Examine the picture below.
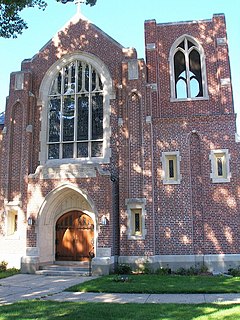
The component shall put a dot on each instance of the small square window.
(220, 166)
(171, 167)
(136, 218)
(12, 223)
(136, 215)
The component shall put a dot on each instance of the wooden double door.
(74, 237)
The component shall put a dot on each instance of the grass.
(8, 273)
(161, 284)
(51, 310)
(44, 310)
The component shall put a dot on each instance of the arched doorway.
(74, 236)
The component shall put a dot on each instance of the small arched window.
(188, 76)
(75, 113)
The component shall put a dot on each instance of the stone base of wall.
(103, 265)
(29, 264)
(106, 265)
(215, 262)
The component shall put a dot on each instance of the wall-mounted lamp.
(103, 220)
(31, 221)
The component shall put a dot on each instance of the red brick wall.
(193, 217)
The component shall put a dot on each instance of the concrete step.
(72, 269)
(63, 273)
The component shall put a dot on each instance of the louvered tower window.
(188, 70)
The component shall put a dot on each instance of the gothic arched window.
(75, 113)
(188, 75)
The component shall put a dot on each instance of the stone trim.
(136, 203)
(164, 158)
(214, 262)
(203, 69)
(213, 176)
(108, 94)
(150, 46)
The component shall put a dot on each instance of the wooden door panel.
(74, 236)
(84, 243)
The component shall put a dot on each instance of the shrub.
(192, 271)
(235, 272)
(203, 269)
(3, 266)
(123, 269)
(163, 271)
(146, 269)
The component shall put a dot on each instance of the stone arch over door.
(58, 202)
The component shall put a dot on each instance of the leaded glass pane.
(82, 150)
(86, 78)
(54, 119)
(66, 72)
(97, 116)
(137, 222)
(56, 86)
(97, 149)
(68, 150)
(100, 84)
(70, 79)
(76, 121)
(80, 70)
(82, 120)
(73, 73)
(171, 169)
(220, 167)
(53, 151)
(93, 80)
(68, 118)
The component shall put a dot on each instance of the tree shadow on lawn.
(44, 310)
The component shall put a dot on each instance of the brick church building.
(121, 159)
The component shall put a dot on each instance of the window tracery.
(187, 70)
(75, 113)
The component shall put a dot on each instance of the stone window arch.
(75, 97)
(187, 70)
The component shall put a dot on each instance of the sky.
(123, 20)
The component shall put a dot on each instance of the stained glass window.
(171, 168)
(75, 113)
(136, 222)
(220, 167)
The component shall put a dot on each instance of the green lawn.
(162, 284)
(8, 273)
(43, 310)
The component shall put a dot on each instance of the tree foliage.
(11, 23)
